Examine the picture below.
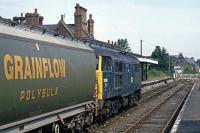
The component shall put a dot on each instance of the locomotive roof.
(116, 55)
(26, 32)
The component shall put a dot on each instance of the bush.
(157, 74)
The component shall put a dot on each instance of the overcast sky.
(174, 24)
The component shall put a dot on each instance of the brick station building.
(81, 28)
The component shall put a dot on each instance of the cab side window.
(130, 74)
(106, 64)
(137, 68)
(118, 75)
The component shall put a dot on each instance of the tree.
(198, 62)
(189, 69)
(123, 44)
(163, 58)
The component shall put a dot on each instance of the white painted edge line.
(179, 118)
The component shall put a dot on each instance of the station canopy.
(147, 60)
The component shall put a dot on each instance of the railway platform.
(188, 120)
(152, 84)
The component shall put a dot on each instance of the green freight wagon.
(43, 78)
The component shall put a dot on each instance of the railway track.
(159, 119)
(157, 91)
(127, 121)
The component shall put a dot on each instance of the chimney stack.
(19, 19)
(80, 20)
(41, 20)
(77, 21)
(35, 11)
(91, 26)
(33, 19)
(108, 41)
(62, 17)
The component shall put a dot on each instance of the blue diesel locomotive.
(118, 80)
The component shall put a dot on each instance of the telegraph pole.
(169, 64)
(141, 47)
